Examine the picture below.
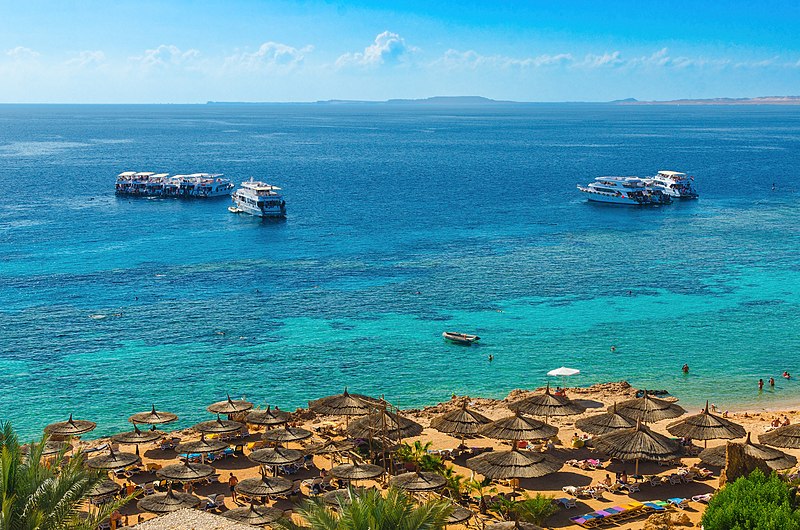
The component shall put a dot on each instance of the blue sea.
(403, 221)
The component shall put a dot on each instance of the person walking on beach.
(232, 482)
(760, 385)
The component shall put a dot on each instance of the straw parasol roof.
(384, 423)
(418, 481)
(547, 405)
(341, 496)
(201, 446)
(775, 459)
(185, 472)
(639, 443)
(268, 416)
(649, 409)
(357, 471)
(288, 434)
(70, 427)
(344, 404)
(254, 515)
(459, 514)
(136, 436)
(605, 423)
(462, 422)
(106, 487)
(153, 417)
(218, 426)
(229, 406)
(497, 465)
(513, 525)
(331, 447)
(706, 426)
(275, 456)
(51, 447)
(518, 427)
(113, 460)
(263, 486)
(787, 437)
(171, 501)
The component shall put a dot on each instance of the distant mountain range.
(478, 101)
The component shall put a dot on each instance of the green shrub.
(755, 502)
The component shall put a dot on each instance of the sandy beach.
(595, 398)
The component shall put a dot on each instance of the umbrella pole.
(636, 471)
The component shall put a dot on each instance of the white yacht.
(623, 190)
(259, 199)
(675, 184)
(148, 184)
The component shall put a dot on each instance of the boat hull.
(459, 338)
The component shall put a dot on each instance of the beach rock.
(682, 520)
(658, 521)
(738, 464)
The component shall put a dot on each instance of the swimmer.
(685, 368)
(786, 375)
(772, 382)
(613, 348)
(491, 357)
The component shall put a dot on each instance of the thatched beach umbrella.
(497, 465)
(275, 456)
(70, 427)
(344, 404)
(605, 423)
(268, 417)
(331, 447)
(229, 406)
(113, 460)
(51, 447)
(461, 422)
(342, 496)
(512, 525)
(288, 434)
(153, 417)
(458, 515)
(106, 487)
(357, 471)
(775, 459)
(168, 502)
(201, 446)
(547, 405)
(264, 486)
(649, 409)
(218, 426)
(254, 515)
(185, 472)
(383, 423)
(706, 426)
(518, 427)
(787, 437)
(136, 437)
(418, 481)
(639, 443)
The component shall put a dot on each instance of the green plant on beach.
(455, 485)
(530, 509)
(418, 458)
(39, 495)
(370, 510)
(753, 502)
(481, 487)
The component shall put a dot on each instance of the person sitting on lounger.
(623, 477)
(607, 480)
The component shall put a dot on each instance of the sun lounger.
(631, 488)
(702, 498)
(654, 507)
(679, 502)
(656, 480)
(567, 502)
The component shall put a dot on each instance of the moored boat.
(674, 183)
(460, 338)
(196, 185)
(259, 199)
(624, 190)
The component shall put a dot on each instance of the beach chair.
(567, 502)
(631, 488)
(704, 498)
(152, 466)
(214, 502)
(679, 503)
(149, 488)
(589, 520)
(655, 480)
(314, 485)
(105, 525)
(675, 479)
(688, 477)
(595, 493)
(652, 506)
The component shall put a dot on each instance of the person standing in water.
(760, 385)
(685, 368)
(772, 382)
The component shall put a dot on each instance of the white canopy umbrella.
(563, 372)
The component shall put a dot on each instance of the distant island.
(479, 101)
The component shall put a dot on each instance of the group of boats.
(253, 197)
(659, 189)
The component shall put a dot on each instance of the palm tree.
(455, 483)
(372, 511)
(39, 495)
(481, 487)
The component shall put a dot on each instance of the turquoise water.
(403, 223)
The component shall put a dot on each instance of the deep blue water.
(475, 209)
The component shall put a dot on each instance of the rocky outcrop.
(666, 521)
(739, 464)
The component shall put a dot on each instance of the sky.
(183, 51)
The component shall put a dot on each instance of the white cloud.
(453, 59)
(87, 58)
(167, 55)
(599, 61)
(387, 48)
(21, 53)
(269, 55)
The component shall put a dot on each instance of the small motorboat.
(234, 209)
(460, 338)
